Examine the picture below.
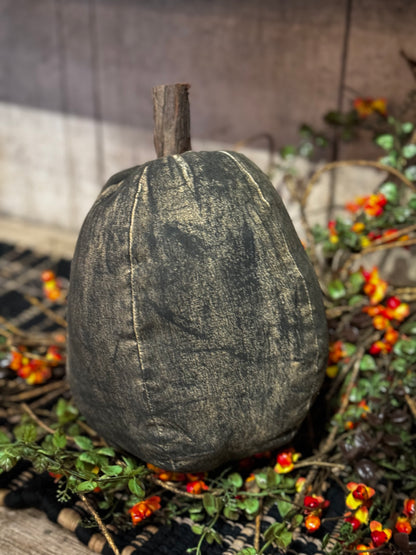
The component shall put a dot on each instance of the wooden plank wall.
(76, 79)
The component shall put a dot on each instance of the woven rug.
(22, 487)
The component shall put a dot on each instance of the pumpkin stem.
(171, 113)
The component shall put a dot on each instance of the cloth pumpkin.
(196, 327)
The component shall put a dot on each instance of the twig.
(257, 531)
(341, 376)
(86, 428)
(406, 293)
(340, 164)
(47, 311)
(320, 463)
(11, 327)
(383, 246)
(38, 391)
(48, 397)
(38, 421)
(373, 248)
(170, 487)
(411, 404)
(395, 235)
(100, 523)
(329, 442)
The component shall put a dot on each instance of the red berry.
(393, 302)
(378, 537)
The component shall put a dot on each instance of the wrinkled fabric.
(197, 332)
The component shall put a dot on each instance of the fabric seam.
(134, 317)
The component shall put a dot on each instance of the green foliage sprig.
(368, 446)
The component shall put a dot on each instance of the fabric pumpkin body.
(197, 332)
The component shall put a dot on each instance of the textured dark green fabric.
(197, 332)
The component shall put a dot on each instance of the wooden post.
(172, 131)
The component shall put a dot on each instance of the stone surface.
(197, 332)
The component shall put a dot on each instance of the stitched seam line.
(311, 310)
(134, 317)
(249, 177)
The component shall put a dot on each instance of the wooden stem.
(172, 119)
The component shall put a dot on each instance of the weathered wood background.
(76, 79)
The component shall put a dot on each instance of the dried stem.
(411, 404)
(330, 440)
(11, 327)
(47, 311)
(100, 523)
(38, 391)
(170, 487)
(323, 464)
(257, 531)
(341, 164)
(36, 419)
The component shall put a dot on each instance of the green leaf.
(400, 365)
(336, 289)
(368, 363)
(251, 505)
(247, 551)
(136, 487)
(195, 508)
(27, 433)
(389, 190)
(306, 149)
(321, 141)
(7, 460)
(111, 469)
(297, 520)
(235, 480)
(273, 478)
(349, 348)
(284, 507)
(305, 131)
(274, 531)
(231, 514)
(211, 504)
(389, 160)
(90, 458)
(386, 141)
(408, 151)
(109, 451)
(88, 485)
(401, 214)
(412, 202)
(355, 282)
(407, 127)
(212, 535)
(261, 479)
(355, 300)
(40, 464)
(409, 328)
(4, 438)
(66, 412)
(284, 539)
(334, 118)
(84, 443)
(325, 540)
(197, 517)
(59, 439)
(197, 529)
(130, 463)
(287, 151)
(410, 173)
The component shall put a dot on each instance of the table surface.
(28, 531)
